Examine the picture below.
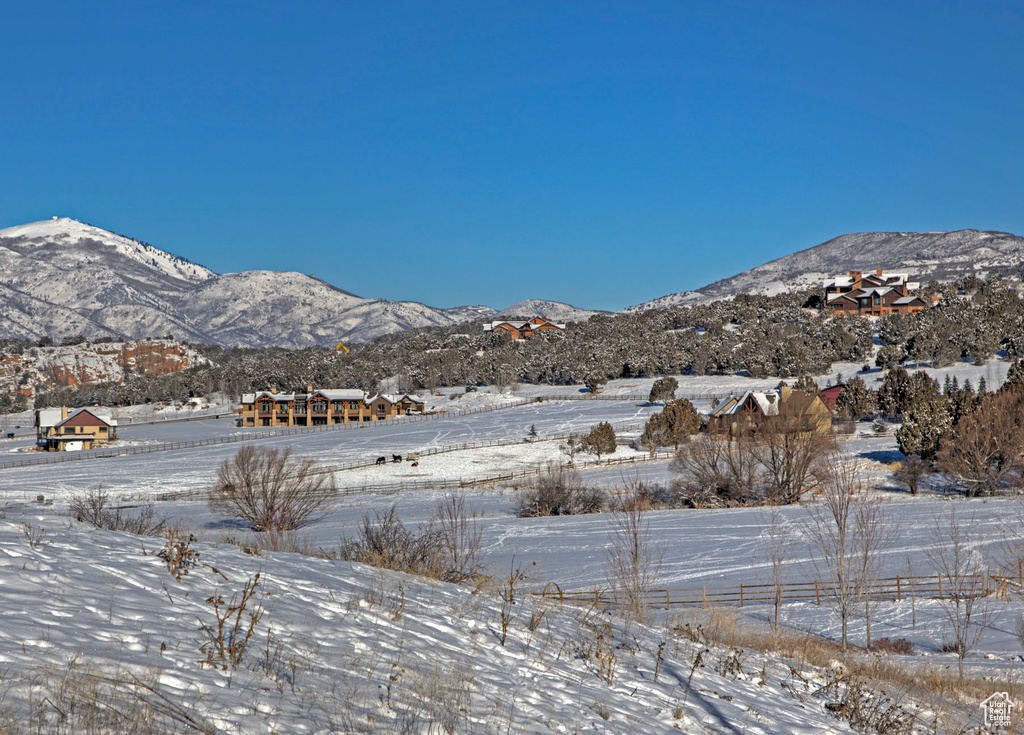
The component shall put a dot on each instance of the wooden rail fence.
(59, 457)
(888, 588)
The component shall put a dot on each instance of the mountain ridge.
(63, 278)
(925, 256)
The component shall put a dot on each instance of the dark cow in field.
(396, 457)
(10, 434)
(382, 460)
(415, 464)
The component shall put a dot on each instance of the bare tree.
(873, 532)
(632, 565)
(984, 449)
(911, 471)
(459, 538)
(830, 530)
(572, 446)
(716, 470)
(779, 543)
(271, 489)
(790, 455)
(957, 559)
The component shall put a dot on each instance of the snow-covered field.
(347, 648)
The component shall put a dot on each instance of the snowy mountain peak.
(69, 240)
(926, 256)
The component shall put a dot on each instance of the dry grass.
(924, 683)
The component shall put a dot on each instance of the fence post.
(741, 594)
(817, 594)
(704, 595)
(939, 577)
(899, 591)
(668, 599)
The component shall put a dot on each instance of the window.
(300, 407)
(319, 406)
(266, 406)
(353, 405)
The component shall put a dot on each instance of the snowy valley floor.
(92, 615)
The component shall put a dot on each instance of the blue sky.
(601, 154)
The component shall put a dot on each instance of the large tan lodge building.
(323, 407)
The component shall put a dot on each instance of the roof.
(86, 417)
(519, 324)
(341, 394)
(394, 398)
(283, 397)
(907, 300)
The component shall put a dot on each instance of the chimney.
(855, 275)
(878, 272)
(309, 390)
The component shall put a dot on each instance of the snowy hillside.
(554, 310)
(62, 277)
(925, 256)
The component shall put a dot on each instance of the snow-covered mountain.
(61, 277)
(553, 310)
(926, 256)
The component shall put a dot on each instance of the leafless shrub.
(510, 594)
(234, 624)
(271, 489)
(870, 711)
(558, 492)
(385, 542)
(900, 646)
(94, 507)
(714, 471)
(911, 471)
(458, 537)
(178, 551)
(35, 536)
(632, 564)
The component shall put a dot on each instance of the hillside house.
(57, 430)
(323, 407)
(874, 294)
(739, 416)
(522, 330)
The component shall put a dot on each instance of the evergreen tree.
(600, 440)
(672, 426)
(595, 381)
(894, 395)
(856, 401)
(925, 423)
(806, 384)
(664, 389)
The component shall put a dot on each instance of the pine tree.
(925, 422)
(672, 426)
(600, 440)
(856, 401)
(664, 389)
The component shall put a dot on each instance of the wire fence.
(888, 588)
